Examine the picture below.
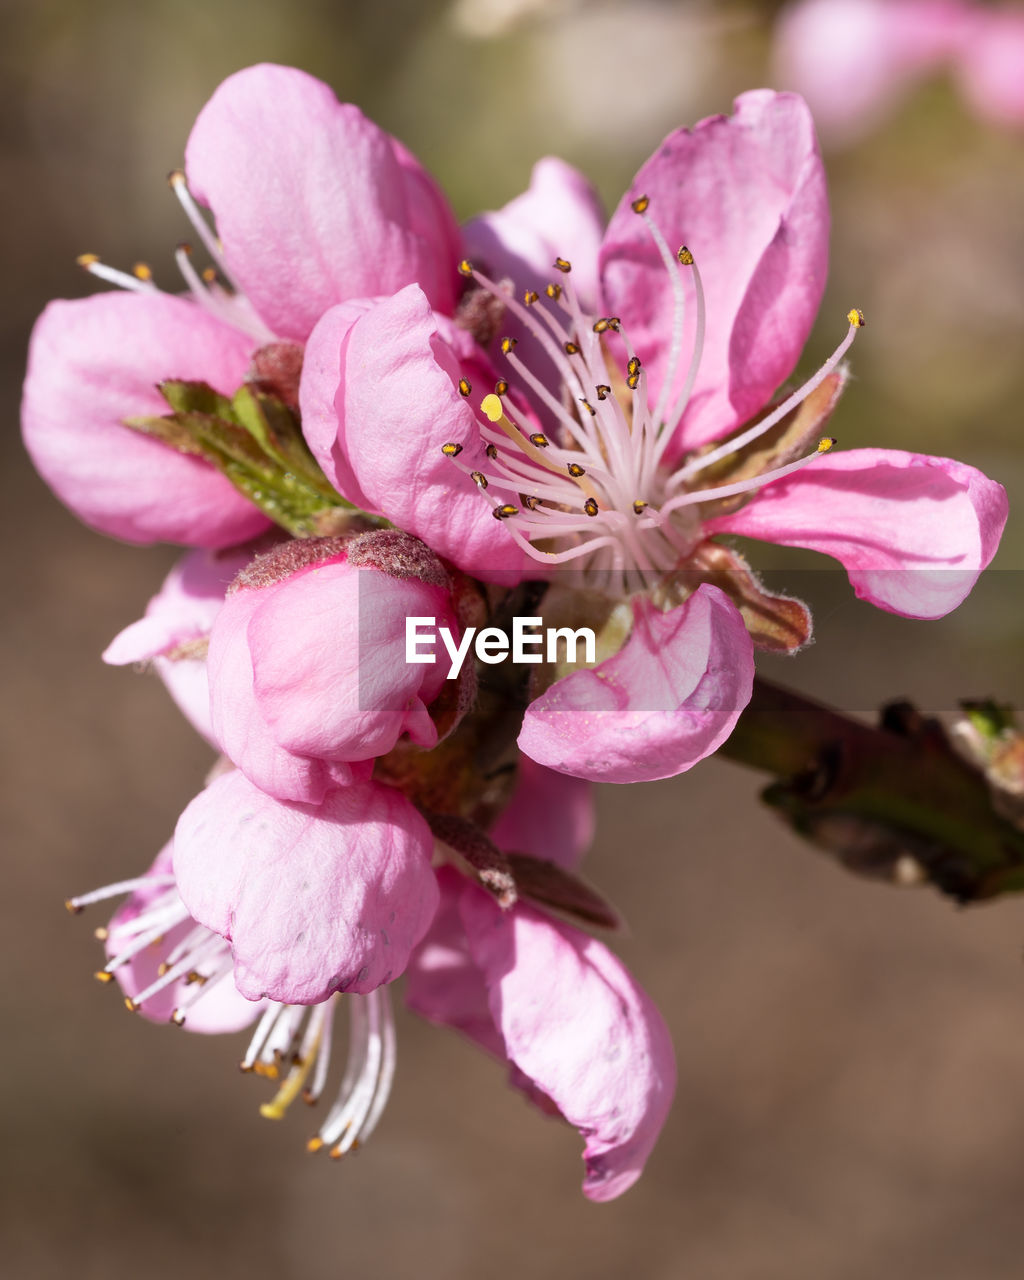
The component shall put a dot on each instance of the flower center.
(601, 492)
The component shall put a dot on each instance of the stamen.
(135, 284)
(745, 486)
(179, 186)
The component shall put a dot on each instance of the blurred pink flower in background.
(855, 60)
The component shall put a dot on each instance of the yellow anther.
(540, 440)
(529, 501)
(856, 318)
(209, 275)
(563, 265)
(826, 443)
(452, 449)
(178, 1018)
(101, 934)
(641, 205)
(130, 1005)
(176, 177)
(603, 391)
(505, 511)
(479, 477)
(501, 388)
(685, 256)
(465, 267)
(73, 907)
(590, 507)
(162, 968)
(639, 506)
(508, 344)
(634, 365)
(530, 297)
(633, 381)
(87, 260)
(575, 470)
(142, 271)
(464, 387)
(553, 291)
(588, 406)
(492, 407)
(571, 349)
(314, 1145)
(101, 975)
(491, 450)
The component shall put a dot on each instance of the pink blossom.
(313, 898)
(581, 1037)
(705, 336)
(307, 665)
(350, 213)
(855, 60)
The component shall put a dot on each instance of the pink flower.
(617, 490)
(313, 898)
(348, 214)
(855, 60)
(581, 1037)
(309, 681)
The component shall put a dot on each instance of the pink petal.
(854, 60)
(379, 398)
(327, 649)
(912, 531)
(550, 815)
(313, 899)
(94, 362)
(581, 1030)
(558, 216)
(221, 1010)
(442, 983)
(314, 203)
(747, 195)
(669, 698)
(239, 726)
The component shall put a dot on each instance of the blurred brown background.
(851, 1094)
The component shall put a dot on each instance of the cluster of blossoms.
(361, 414)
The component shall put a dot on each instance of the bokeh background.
(851, 1090)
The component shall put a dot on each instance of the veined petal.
(94, 362)
(314, 899)
(912, 531)
(746, 194)
(379, 398)
(314, 203)
(581, 1030)
(667, 699)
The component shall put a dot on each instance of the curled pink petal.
(314, 899)
(746, 194)
(96, 361)
(669, 698)
(912, 531)
(314, 203)
(581, 1030)
(379, 398)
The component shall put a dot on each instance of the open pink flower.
(648, 466)
(309, 681)
(313, 898)
(348, 214)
